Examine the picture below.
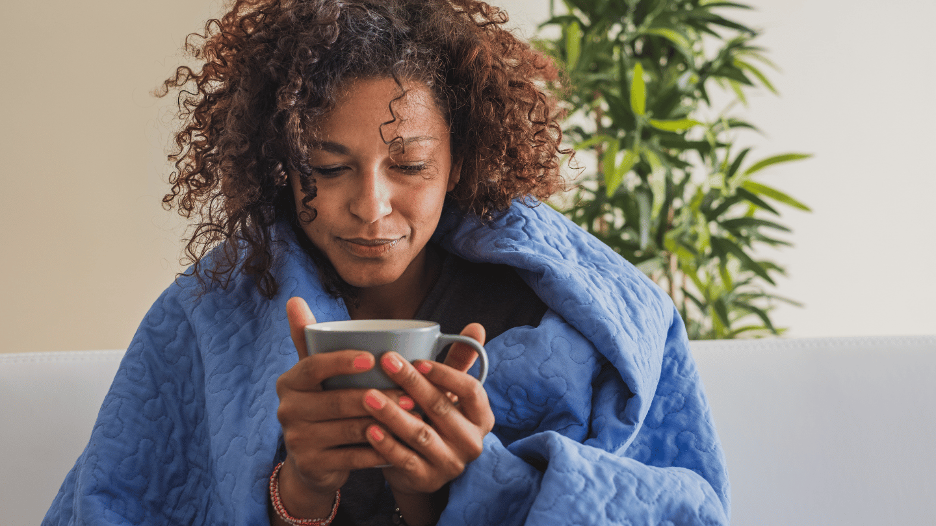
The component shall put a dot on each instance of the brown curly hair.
(272, 69)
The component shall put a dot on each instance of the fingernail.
(376, 433)
(373, 401)
(407, 403)
(362, 362)
(392, 363)
(424, 367)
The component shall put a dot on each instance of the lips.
(369, 247)
(373, 242)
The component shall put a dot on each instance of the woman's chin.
(368, 280)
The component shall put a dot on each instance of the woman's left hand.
(425, 454)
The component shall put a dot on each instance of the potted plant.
(669, 189)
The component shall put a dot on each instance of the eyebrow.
(338, 148)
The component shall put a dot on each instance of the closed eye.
(411, 168)
(329, 171)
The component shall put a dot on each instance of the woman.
(384, 159)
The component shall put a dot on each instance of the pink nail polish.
(373, 401)
(392, 363)
(362, 362)
(376, 433)
(407, 403)
(424, 367)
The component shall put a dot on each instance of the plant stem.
(602, 227)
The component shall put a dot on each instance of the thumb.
(299, 315)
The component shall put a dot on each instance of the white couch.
(816, 431)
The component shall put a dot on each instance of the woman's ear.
(454, 175)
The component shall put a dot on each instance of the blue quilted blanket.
(601, 418)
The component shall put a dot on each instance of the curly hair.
(272, 69)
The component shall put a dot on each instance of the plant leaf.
(756, 201)
(674, 125)
(736, 164)
(776, 159)
(760, 313)
(698, 303)
(757, 73)
(725, 245)
(681, 41)
(638, 91)
(615, 177)
(773, 193)
(715, 3)
(607, 161)
(573, 43)
(644, 205)
(722, 312)
(592, 141)
(753, 222)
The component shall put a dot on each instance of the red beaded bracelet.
(281, 510)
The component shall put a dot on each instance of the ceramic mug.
(411, 339)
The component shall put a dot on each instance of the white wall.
(87, 248)
(855, 90)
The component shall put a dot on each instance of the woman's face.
(377, 206)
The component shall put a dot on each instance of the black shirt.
(489, 294)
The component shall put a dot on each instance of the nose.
(373, 196)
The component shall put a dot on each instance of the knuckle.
(291, 436)
(453, 468)
(423, 436)
(335, 405)
(476, 390)
(408, 376)
(354, 432)
(410, 463)
(473, 450)
(487, 423)
(285, 412)
(440, 406)
(303, 368)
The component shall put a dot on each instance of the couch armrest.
(49, 402)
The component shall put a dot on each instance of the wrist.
(292, 503)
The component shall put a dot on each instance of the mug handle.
(445, 339)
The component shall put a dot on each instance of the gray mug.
(412, 339)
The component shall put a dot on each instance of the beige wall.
(86, 247)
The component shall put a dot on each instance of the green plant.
(670, 189)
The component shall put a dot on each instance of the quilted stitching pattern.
(600, 415)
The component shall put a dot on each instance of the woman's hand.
(425, 454)
(324, 431)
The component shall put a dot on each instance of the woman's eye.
(411, 168)
(328, 171)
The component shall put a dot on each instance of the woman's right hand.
(324, 431)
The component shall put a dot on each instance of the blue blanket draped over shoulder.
(601, 417)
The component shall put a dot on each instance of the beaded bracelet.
(281, 510)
